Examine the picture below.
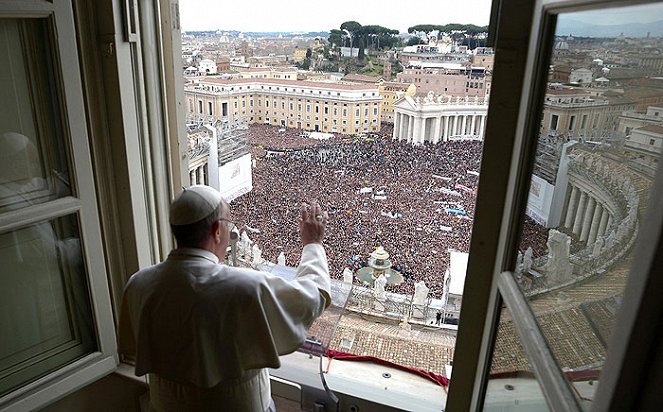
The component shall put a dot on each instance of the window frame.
(82, 203)
(619, 388)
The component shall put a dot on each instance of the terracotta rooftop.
(354, 77)
(293, 83)
(267, 69)
(566, 92)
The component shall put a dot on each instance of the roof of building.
(296, 83)
(267, 69)
(362, 78)
(651, 129)
(566, 91)
(397, 85)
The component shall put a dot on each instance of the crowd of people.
(415, 201)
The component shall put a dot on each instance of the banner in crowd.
(449, 192)
(464, 188)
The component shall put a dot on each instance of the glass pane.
(33, 156)
(598, 149)
(511, 384)
(45, 316)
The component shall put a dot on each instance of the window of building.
(209, 108)
(200, 106)
(553, 122)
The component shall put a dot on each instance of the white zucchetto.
(193, 204)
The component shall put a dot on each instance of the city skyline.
(201, 15)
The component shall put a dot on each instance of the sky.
(647, 13)
(317, 15)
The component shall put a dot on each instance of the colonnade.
(421, 128)
(586, 216)
(198, 175)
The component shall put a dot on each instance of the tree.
(352, 30)
(336, 37)
(415, 40)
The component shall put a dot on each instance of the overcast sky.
(316, 15)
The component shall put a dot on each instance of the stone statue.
(420, 293)
(457, 99)
(378, 288)
(245, 243)
(347, 275)
(558, 267)
(281, 259)
(519, 263)
(528, 260)
(429, 97)
(449, 99)
(598, 246)
(405, 323)
(256, 255)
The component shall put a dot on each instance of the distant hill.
(581, 29)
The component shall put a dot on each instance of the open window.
(563, 316)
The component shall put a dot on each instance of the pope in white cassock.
(206, 332)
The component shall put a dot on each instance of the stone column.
(397, 124)
(192, 177)
(410, 129)
(453, 126)
(482, 120)
(587, 219)
(404, 126)
(201, 175)
(436, 132)
(577, 221)
(604, 222)
(596, 220)
(447, 124)
(571, 207)
(416, 135)
(609, 225)
(422, 135)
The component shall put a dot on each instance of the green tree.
(415, 40)
(336, 37)
(352, 29)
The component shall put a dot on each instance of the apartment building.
(314, 106)
(390, 93)
(449, 79)
(575, 110)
